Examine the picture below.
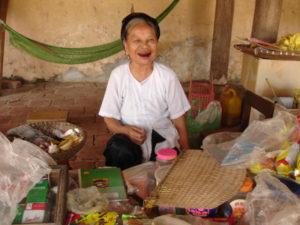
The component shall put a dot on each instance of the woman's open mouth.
(144, 55)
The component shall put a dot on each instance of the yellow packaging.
(105, 218)
(268, 164)
(297, 170)
(286, 161)
(231, 107)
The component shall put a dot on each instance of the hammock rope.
(63, 55)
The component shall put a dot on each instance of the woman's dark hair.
(127, 23)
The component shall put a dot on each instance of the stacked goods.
(58, 140)
(290, 42)
(287, 162)
(36, 207)
(61, 140)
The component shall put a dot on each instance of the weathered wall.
(185, 43)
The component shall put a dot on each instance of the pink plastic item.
(166, 154)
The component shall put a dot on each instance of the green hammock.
(70, 55)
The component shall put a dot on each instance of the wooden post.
(3, 12)
(221, 38)
(266, 20)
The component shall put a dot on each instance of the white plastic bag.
(271, 203)
(212, 113)
(20, 170)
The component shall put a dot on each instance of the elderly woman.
(144, 103)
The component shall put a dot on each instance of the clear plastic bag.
(208, 119)
(22, 166)
(211, 115)
(219, 144)
(140, 179)
(271, 203)
(260, 137)
(86, 200)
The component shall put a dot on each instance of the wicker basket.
(48, 126)
(201, 91)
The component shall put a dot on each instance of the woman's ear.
(125, 47)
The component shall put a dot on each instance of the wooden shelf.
(267, 53)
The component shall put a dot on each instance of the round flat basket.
(48, 127)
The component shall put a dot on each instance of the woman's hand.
(136, 135)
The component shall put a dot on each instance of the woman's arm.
(136, 135)
(180, 125)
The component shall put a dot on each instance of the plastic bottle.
(231, 107)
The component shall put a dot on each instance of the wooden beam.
(3, 13)
(266, 20)
(221, 38)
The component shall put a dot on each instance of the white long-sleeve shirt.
(150, 104)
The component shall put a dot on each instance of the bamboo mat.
(196, 180)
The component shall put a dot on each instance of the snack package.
(297, 170)
(202, 212)
(267, 164)
(103, 218)
(135, 220)
(286, 161)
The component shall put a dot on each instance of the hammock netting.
(62, 55)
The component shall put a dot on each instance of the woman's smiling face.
(141, 44)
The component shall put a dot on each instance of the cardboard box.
(108, 180)
(19, 216)
(61, 116)
(58, 177)
(34, 213)
(36, 200)
(38, 194)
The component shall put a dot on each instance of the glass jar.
(165, 157)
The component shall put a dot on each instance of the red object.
(202, 91)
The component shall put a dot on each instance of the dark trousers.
(123, 153)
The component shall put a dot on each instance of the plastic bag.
(208, 119)
(260, 137)
(86, 200)
(140, 179)
(219, 144)
(271, 203)
(20, 170)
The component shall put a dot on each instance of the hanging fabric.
(62, 55)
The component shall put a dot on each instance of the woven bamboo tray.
(48, 126)
(196, 180)
(268, 53)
